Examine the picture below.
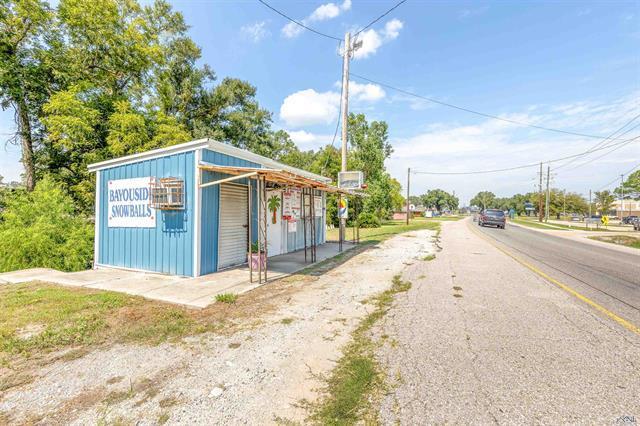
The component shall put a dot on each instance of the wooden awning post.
(250, 236)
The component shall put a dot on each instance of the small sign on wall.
(291, 204)
(128, 203)
(292, 226)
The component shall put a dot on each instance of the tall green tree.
(26, 73)
(483, 199)
(440, 200)
(604, 201)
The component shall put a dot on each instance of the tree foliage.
(439, 200)
(483, 200)
(41, 229)
(604, 201)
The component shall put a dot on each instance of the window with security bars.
(167, 193)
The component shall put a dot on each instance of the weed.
(457, 295)
(421, 276)
(286, 321)
(229, 298)
(457, 288)
(357, 378)
(163, 418)
(234, 345)
(168, 402)
(429, 257)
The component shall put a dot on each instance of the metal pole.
(259, 200)
(408, 181)
(304, 221)
(345, 115)
(540, 196)
(264, 212)
(250, 226)
(586, 222)
(621, 196)
(546, 209)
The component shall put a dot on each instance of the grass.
(533, 223)
(357, 378)
(286, 321)
(38, 317)
(623, 240)
(387, 230)
(229, 298)
(429, 257)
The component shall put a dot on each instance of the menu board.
(291, 204)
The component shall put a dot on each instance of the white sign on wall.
(317, 205)
(291, 204)
(128, 204)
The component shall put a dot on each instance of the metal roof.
(281, 176)
(211, 145)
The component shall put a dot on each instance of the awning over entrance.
(280, 176)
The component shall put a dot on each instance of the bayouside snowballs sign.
(128, 204)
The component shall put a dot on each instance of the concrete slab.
(33, 274)
(197, 292)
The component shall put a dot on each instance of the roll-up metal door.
(232, 231)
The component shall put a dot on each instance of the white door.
(274, 230)
(232, 226)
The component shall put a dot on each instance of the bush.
(369, 220)
(41, 229)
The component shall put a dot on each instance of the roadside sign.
(350, 180)
(343, 212)
(604, 220)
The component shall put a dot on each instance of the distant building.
(623, 208)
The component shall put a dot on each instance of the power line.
(525, 166)
(617, 177)
(603, 155)
(606, 139)
(298, 22)
(379, 17)
(495, 117)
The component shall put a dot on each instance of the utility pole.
(621, 196)
(408, 180)
(346, 56)
(540, 196)
(589, 204)
(564, 203)
(546, 208)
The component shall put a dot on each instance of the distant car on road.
(629, 219)
(493, 217)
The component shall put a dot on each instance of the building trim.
(197, 214)
(149, 155)
(212, 145)
(96, 220)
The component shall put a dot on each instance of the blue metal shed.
(195, 236)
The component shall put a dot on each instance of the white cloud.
(291, 30)
(372, 39)
(392, 28)
(365, 92)
(308, 107)
(321, 13)
(492, 144)
(307, 140)
(255, 32)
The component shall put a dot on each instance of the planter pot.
(258, 260)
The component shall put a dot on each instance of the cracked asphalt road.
(481, 339)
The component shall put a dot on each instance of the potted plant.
(258, 256)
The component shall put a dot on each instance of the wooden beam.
(229, 179)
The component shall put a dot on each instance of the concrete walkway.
(197, 292)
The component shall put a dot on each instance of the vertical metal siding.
(210, 208)
(168, 247)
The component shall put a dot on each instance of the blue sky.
(571, 65)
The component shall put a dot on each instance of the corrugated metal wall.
(210, 208)
(295, 240)
(168, 247)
